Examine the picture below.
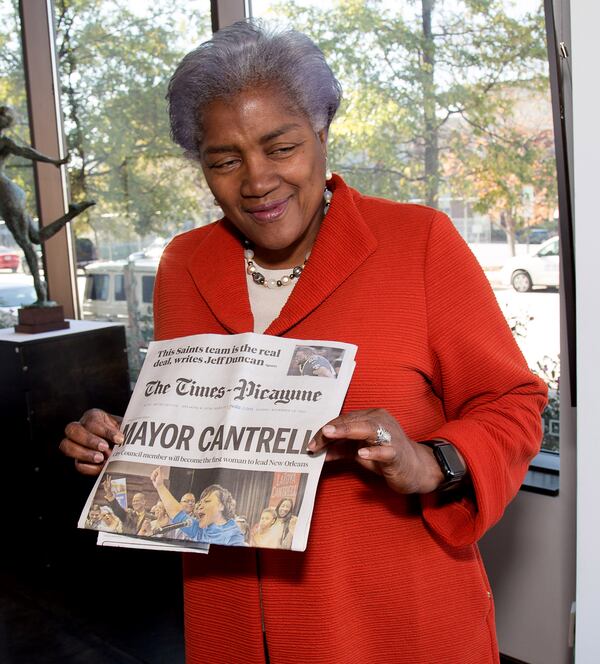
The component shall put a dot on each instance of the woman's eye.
(286, 149)
(224, 165)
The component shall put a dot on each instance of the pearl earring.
(327, 196)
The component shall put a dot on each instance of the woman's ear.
(322, 135)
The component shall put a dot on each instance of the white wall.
(585, 23)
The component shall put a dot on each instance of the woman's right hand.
(91, 440)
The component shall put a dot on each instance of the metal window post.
(226, 12)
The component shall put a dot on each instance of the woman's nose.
(260, 177)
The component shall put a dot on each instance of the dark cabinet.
(46, 381)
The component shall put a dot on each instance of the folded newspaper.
(215, 451)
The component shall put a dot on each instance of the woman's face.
(209, 509)
(108, 519)
(265, 165)
(284, 509)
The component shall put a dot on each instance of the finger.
(80, 435)
(326, 434)
(103, 425)
(88, 469)
(81, 452)
(382, 454)
(361, 429)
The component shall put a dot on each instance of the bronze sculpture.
(12, 205)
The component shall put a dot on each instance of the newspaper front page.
(215, 449)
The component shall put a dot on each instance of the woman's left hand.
(407, 466)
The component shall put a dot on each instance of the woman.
(286, 522)
(110, 522)
(264, 534)
(161, 519)
(214, 518)
(442, 415)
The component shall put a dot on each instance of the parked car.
(541, 268)
(534, 235)
(9, 259)
(105, 297)
(16, 290)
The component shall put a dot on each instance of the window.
(147, 289)
(440, 108)
(550, 249)
(96, 287)
(114, 62)
(120, 294)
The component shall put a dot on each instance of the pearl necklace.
(260, 278)
(286, 280)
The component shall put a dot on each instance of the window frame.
(47, 132)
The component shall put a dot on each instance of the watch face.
(450, 462)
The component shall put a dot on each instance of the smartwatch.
(451, 465)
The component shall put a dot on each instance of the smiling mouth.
(269, 211)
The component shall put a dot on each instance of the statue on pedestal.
(12, 206)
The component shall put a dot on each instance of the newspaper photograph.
(215, 450)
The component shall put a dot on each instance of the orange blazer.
(386, 577)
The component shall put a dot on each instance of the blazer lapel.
(217, 268)
(344, 242)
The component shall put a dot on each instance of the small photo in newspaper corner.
(215, 451)
(322, 361)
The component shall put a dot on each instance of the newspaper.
(216, 435)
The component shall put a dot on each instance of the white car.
(541, 268)
(16, 290)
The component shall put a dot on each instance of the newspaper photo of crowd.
(322, 361)
(213, 506)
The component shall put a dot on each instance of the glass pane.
(120, 288)
(147, 288)
(450, 107)
(15, 287)
(96, 287)
(115, 60)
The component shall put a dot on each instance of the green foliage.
(114, 64)
(427, 85)
(114, 67)
(431, 94)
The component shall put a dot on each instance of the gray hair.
(246, 55)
